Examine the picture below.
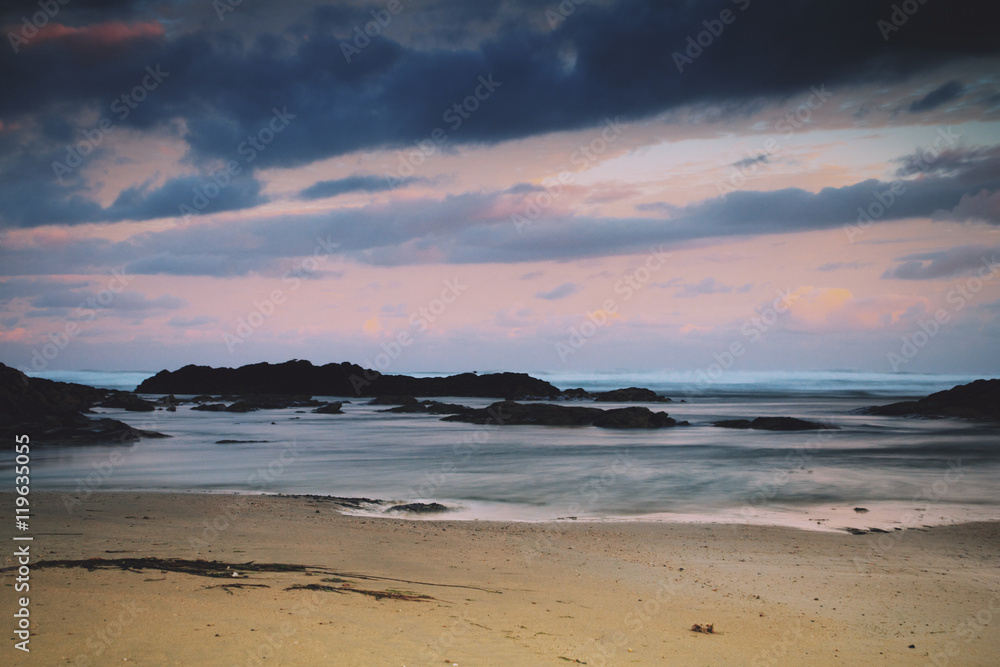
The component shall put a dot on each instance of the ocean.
(903, 472)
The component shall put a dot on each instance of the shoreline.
(499, 592)
(874, 517)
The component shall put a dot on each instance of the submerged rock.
(329, 409)
(775, 424)
(510, 413)
(430, 407)
(128, 402)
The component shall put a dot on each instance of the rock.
(329, 409)
(239, 442)
(509, 413)
(210, 407)
(861, 510)
(630, 395)
(419, 508)
(732, 423)
(578, 394)
(430, 407)
(52, 412)
(344, 379)
(775, 424)
(203, 398)
(634, 417)
(979, 400)
(172, 408)
(126, 401)
(240, 406)
(168, 400)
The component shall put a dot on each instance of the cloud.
(122, 302)
(560, 292)
(943, 94)
(837, 266)
(36, 288)
(960, 260)
(763, 158)
(357, 183)
(983, 206)
(473, 228)
(966, 164)
(191, 322)
(707, 286)
(97, 37)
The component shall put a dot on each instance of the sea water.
(903, 471)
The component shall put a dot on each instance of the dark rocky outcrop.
(170, 401)
(775, 424)
(430, 407)
(49, 411)
(210, 407)
(629, 395)
(419, 508)
(344, 379)
(330, 409)
(635, 417)
(126, 401)
(979, 400)
(577, 394)
(509, 413)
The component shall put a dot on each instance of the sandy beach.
(496, 593)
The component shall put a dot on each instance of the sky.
(440, 185)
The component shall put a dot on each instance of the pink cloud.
(97, 36)
(831, 310)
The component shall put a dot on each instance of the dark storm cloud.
(942, 95)
(961, 260)
(601, 61)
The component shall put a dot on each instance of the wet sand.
(498, 593)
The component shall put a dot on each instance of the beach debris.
(708, 628)
(860, 510)
(378, 595)
(227, 587)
